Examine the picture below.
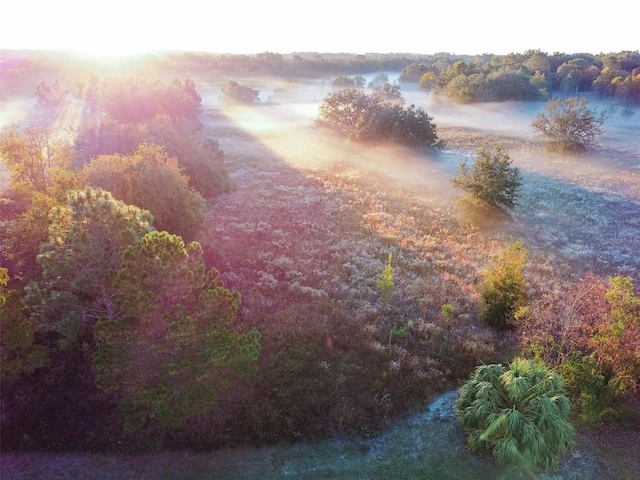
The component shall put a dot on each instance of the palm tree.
(519, 413)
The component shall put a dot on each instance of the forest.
(202, 252)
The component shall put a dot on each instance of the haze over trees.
(233, 92)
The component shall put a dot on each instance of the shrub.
(387, 93)
(153, 181)
(358, 116)
(201, 158)
(503, 288)
(585, 385)
(591, 331)
(569, 124)
(518, 413)
(233, 92)
(491, 183)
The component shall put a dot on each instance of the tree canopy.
(86, 239)
(491, 183)
(173, 347)
(151, 180)
(358, 116)
(233, 92)
(569, 124)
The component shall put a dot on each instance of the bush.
(343, 81)
(358, 116)
(519, 414)
(503, 289)
(233, 92)
(466, 88)
(201, 158)
(569, 124)
(590, 330)
(153, 181)
(387, 93)
(491, 183)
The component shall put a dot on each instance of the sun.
(111, 48)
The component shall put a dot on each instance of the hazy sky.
(235, 26)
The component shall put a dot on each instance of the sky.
(471, 27)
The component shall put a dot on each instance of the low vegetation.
(491, 183)
(519, 413)
(503, 288)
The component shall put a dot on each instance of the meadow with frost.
(360, 272)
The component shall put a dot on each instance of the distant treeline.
(464, 78)
(529, 76)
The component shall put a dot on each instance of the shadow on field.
(579, 230)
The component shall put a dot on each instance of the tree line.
(531, 75)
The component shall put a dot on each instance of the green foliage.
(201, 158)
(398, 331)
(172, 348)
(413, 72)
(386, 284)
(448, 312)
(25, 234)
(344, 111)
(569, 124)
(149, 179)
(379, 80)
(591, 331)
(108, 137)
(343, 81)
(586, 386)
(31, 154)
(503, 290)
(19, 353)
(466, 88)
(354, 114)
(428, 81)
(507, 84)
(233, 92)
(79, 261)
(517, 413)
(137, 99)
(617, 336)
(491, 183)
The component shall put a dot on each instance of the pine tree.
(174, 346)
(491, 183)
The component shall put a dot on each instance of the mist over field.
(581, 208)
(301, 225)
